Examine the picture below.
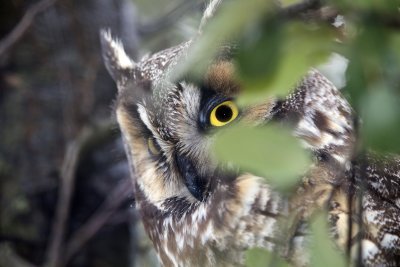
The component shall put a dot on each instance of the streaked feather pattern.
(198, 213)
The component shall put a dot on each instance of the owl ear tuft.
(117, 62)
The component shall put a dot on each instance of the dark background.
(65, 194)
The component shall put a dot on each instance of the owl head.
(189, 201)
(198, 211)
(169, 127)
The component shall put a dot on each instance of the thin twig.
(360, 193)
(16, 34)
(64, 200)
(301, 7)
(80, 237)
(309, 10)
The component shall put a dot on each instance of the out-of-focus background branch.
(65, 192)
(24, 25)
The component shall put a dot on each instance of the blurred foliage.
(374, 83)
(380, 109)
(221, 29)
(275, 51)
(323, 251)
(270, 152)
(278, 55)
(259, 257)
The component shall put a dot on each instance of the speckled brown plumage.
(200, 213)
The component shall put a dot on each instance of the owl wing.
(322, 119)
(379, 184)
(326, 124)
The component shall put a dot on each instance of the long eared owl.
(199, 213)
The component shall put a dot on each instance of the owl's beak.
(196, 185)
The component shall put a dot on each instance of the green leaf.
(221, 29)
(395, 45)
(286, 3)
(270, 152)
(373, 84)
(324, 252)
(259, 257)
(259, 54)
(381, 116)
(367, 62)
(277, 55)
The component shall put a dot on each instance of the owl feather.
(197, 212)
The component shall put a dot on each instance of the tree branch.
(64, 198)
(16, 34)
(80, 237)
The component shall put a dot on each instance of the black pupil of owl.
(223, 113)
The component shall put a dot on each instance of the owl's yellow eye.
(223, 114)
(153, 146)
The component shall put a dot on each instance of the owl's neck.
(202, 233)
